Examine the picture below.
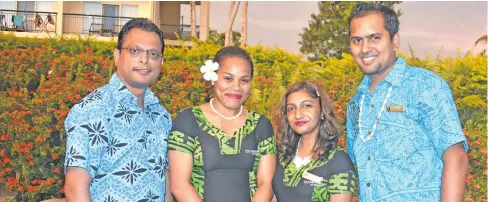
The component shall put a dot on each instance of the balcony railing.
(27, 21)
(100, 25)
(182, 30)
(93, 24)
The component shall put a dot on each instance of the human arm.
(267, 162)
(266, 169)
(441, 121)
(168, 197)
(455, 162)
(342, 177)
(82, 152)
(77, 185)
(181, 145)
(181, 168)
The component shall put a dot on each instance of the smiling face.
(135, 67)
(303, 113)
(371, 45)
(234, 82)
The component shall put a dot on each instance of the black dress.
(315, 181)
(224, 168)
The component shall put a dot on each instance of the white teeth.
(143, 70)
(368, 59)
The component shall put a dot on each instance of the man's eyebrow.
(367, 36)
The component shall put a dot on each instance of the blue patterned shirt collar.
(116, 85)
(395, 76)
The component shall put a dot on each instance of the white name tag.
(314, 178)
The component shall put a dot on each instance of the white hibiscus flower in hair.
(209, 69)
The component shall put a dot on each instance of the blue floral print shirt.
(122, 146)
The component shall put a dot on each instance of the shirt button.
(372, 105)
(369, 132)
(368, 184)
(369, 158)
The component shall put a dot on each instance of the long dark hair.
(329, 129)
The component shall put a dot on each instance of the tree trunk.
(234, 6)
(193, 20)
(244, 24)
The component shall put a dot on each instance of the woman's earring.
(322, 117)
(212, 82)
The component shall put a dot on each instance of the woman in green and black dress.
(310, 164)
(221, 151)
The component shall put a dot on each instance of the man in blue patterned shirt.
(403, 130)
(117, 136)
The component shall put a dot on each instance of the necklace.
(371, 133)
(298, 161)
(224, 117)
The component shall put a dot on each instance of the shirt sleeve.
(342, 178)
(267, 143)
(87, 135)
(440, 117)
(167, 131)
(183, 134)
(350, 133)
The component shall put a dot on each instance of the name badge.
(394, 108)
(314, 178)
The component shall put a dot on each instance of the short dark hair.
(234, 51)
(141, 23)
(391, 22)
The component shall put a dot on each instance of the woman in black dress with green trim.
(220, 151)
(310, 164)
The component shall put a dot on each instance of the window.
(110, 19)
(45, 6)
(91, 23)
(127, 11)
(25, 5)
(7, 5)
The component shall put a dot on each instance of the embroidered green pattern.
(338, 183)
(228, 145)
(267, 146)
(177, 142)
(292, 175)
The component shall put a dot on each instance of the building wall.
(169, 17)
(77, 6)
(75, 24)
(169, 12)
(166, 13)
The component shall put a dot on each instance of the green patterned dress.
(224, 168)
(315, 181)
